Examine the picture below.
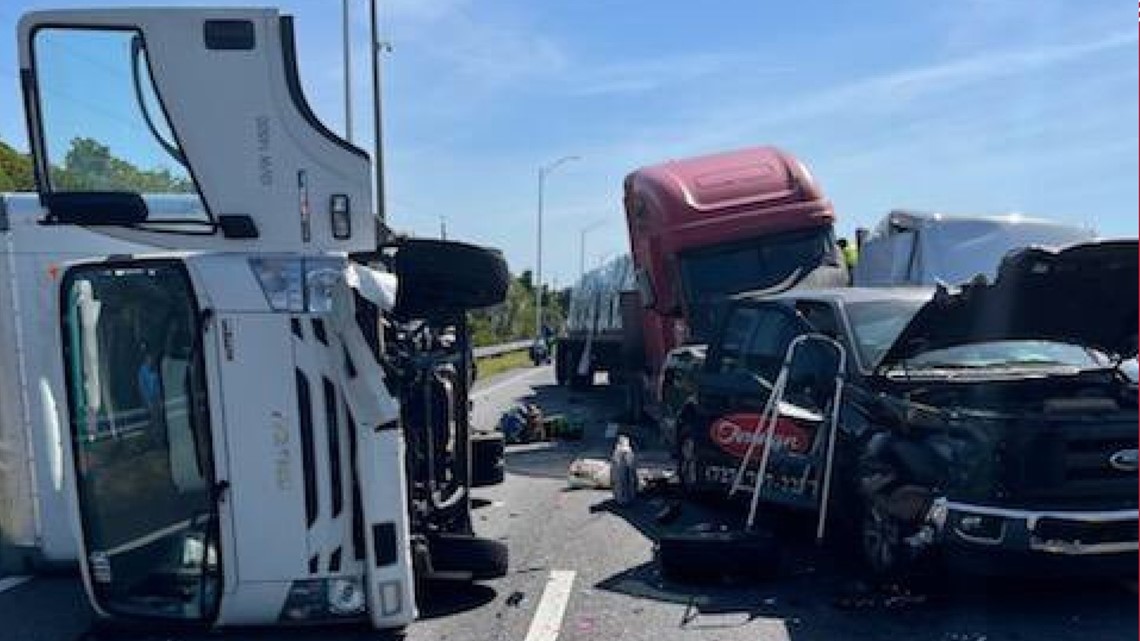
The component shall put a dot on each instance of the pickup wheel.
(884, 550)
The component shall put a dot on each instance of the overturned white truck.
(248, 421)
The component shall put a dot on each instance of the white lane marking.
(612, 430)
(507, 383)
(10, 582)
(547, 621)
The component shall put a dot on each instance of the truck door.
(126, 106)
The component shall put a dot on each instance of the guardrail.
(505, 348)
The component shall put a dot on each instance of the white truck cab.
(227, 445)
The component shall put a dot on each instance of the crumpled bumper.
(997, 535)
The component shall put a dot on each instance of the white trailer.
(229, 448)
(35, 530)
(918, 248)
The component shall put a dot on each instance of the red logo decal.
(734, 432)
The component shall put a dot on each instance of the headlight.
(980, 528)
(294, 284)
(317, 599)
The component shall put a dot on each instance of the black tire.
(439, 276)
(882, 536)
(488, 458)
(705, 554)
(579, 382)
(561, 364)
(480, 558)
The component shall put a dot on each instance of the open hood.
(1084, 295)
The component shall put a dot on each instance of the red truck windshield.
(709, 275)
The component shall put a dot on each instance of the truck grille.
(1066, 463)
(1051, 529)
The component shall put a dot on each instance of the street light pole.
(543, 172)
(582, 245)
(378, 47)
(346, 26)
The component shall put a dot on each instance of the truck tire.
(563, 357)
(480, 558)
(488, 458)
(438, 276)
(581, 383)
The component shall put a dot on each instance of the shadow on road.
(815, 594)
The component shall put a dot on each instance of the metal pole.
(582, 245)
(346, 26)
(377, 120)
(543, 172)
(582, 253)
(538, 260)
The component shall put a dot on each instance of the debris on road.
(515, 599)
(623, 472)
(589, 473)
(708, 552)
(861, 596)
(526, 423)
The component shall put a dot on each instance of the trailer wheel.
(480, 558)
(561, 364)
(488, 462)
(437, 276)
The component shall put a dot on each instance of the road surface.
(583, 570)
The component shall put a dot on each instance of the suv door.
(746, 357)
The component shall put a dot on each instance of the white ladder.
(767, 426)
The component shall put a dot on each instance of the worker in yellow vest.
(850, 252)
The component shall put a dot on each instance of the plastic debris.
(624, 472)
(590, 473)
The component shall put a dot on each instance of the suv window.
(755, 339)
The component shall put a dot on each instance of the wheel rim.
(880, 539)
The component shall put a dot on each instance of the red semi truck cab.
(707, 227)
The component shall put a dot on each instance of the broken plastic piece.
(590, 473)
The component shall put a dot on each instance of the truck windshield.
(709, 275)
(141, 440)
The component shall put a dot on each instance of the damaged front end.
(1015, 450)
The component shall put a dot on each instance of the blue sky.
(958, 106)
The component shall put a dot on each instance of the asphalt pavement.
(583, 569)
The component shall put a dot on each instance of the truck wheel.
(561, 364)
(481, 558)
(488, 459)
(438, 275)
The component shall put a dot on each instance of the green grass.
(492, 365)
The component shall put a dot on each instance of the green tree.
(89, 165)
(15, 170)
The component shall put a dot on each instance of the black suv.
(992, 424)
